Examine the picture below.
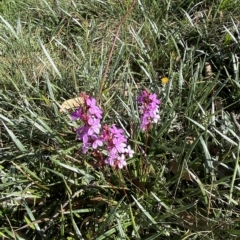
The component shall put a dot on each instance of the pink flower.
(110, 161)
(106, 140)
(129, 151)
(77, 114)
(149, 109)
(121, 162)
(116, 131)
(93, 109)
(97, 142)
(94, 126)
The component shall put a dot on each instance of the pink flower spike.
(149, 109)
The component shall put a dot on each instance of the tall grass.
(182, 182)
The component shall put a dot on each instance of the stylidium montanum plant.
(149, 109)
(108, 143)
(98, 138)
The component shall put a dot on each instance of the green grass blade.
(14, 138)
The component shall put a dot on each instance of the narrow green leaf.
(50, 59)
(144, 211)
(9, 27)
(29, 223)
(31, 216)
(15, 139)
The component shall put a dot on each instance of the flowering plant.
(98, 138)
(111, 140)
(149, 109)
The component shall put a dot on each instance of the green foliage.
(183, 180)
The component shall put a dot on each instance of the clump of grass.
(183, 179)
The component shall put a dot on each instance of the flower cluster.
(108, 143)
(116, 146)
(149, 109)
(95, 137)
(91, 116)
